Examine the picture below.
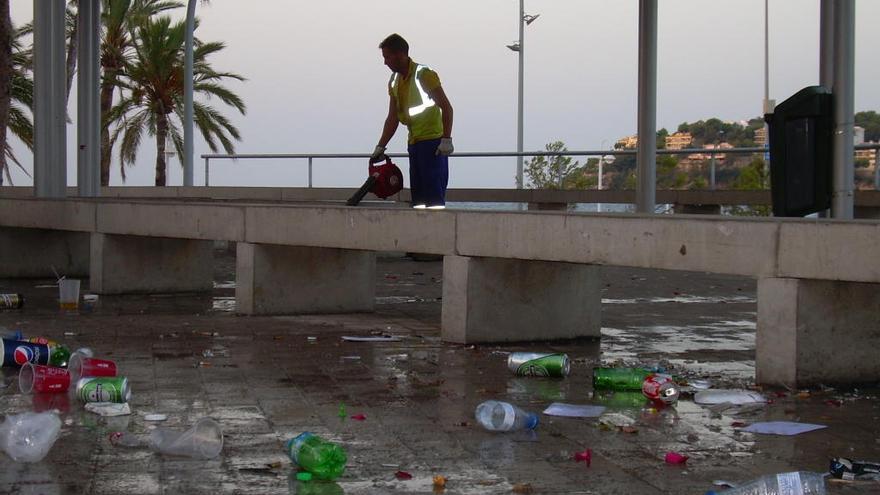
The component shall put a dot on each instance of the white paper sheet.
(787, 428)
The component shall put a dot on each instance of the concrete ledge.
(831, 251)
(133, 264)
(59, 214)
(496, 300)
(814, 332)
(178, 220)
(375, 229)
(34, 253)
(300, 280)
(734, 246)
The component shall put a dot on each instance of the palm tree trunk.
(5, 79)
(161, 134)
(72, 49)
(106, 104)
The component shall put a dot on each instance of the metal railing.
(712, 152)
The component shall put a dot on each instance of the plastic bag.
(28, 437)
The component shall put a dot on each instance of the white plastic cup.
(68, 293)
(204, 440)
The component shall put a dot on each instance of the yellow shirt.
(415, 108)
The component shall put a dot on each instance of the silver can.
(539, 364)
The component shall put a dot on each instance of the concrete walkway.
(265, 380)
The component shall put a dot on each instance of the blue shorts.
(428, 173)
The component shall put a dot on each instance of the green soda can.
(619, 378)
(539, 364)
(103, 389)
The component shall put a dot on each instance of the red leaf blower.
(384, 180)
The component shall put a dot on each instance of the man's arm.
(439, 97)
(391, 124)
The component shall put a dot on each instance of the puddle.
(684, 300)
(221, 303)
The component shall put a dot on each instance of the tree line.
(141, 92)
(742, 172)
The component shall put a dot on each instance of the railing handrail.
(488, 154)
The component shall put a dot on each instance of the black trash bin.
(800, 140)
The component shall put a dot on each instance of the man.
(418, 100)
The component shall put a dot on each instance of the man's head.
(395, 52)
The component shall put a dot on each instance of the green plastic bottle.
(323, 459)
(619, 378)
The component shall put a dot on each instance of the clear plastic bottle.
(324, 459)
(10, 334)
(796, 483)
(494, 415)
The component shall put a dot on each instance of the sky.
(316, 82)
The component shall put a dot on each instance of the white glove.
(445, 147)
(377, 153)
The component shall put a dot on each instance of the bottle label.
(790, 484)
(296, 443)
(509, 416)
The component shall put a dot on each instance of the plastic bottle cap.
(532, 422)
(304, 476)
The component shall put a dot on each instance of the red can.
(42, 379)
(82, 366)
(660, 388)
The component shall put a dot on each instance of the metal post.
(843, 90)
(206, 172)
(826, 54)
(647, 156)
(188, 95)
(88, 158)
(310, 171)
(519, 117)
(826, 43)
(599, 182)
(50, 89)
(712, 172)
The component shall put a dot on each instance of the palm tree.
(119, 18)
(153, 81)
(21, 101)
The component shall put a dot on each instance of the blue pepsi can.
(15, 353)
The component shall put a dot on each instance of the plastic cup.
(42, 379)
(68, 293)
(80, 366)
(204, 440)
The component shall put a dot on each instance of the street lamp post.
(603, 159)
(519, 47)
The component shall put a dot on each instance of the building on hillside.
(679, 140)
(870, 155)
(761, 136)
(627, 142)
(858, 135)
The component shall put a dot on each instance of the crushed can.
(660, 389)
(103, 389)
(11, 301)
(539, 364)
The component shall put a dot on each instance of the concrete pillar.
(124, 264)
(817, 331)
(34, 252)
(502, 300)
(274, 279)
(50, 109)
(88, 133)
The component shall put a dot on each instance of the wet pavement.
(266, 379)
